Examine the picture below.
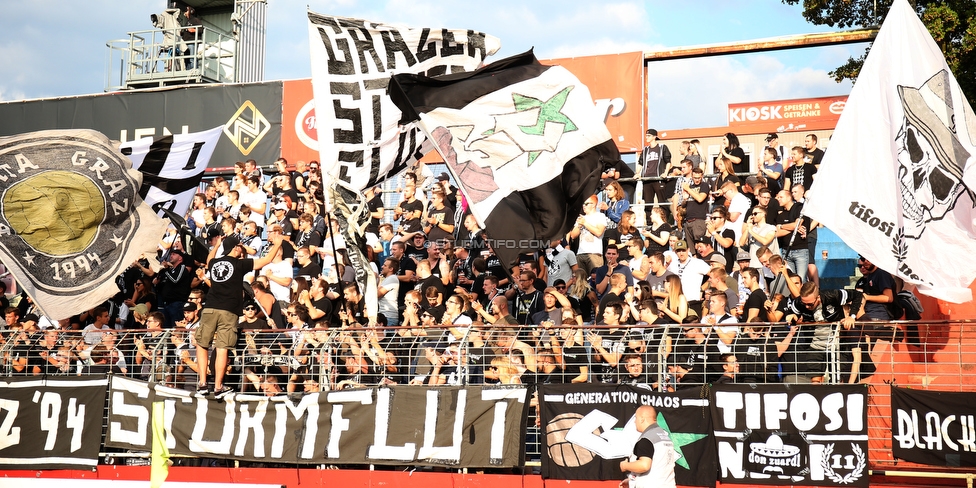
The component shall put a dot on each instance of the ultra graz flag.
(71, 218)
(172, 167)
(360, 139)
(524, 141)
(896, 182)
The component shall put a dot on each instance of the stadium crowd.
(715, 282)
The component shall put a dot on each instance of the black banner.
(463, 427)
(51, 424)
(588, 429)
(250, 115)
(791, 434)
(933, 427)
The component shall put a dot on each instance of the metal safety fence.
(937, 355)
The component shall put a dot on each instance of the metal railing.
(160, 57)
(281, 362)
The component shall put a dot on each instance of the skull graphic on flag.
(931, 156)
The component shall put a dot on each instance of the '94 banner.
(51, 424)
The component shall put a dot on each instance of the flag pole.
(335, 259)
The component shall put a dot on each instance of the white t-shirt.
(387, 304)
(727, 329)
(740, 203)
(589, 243)
(280, 269)
(257, 198)
(691, 273)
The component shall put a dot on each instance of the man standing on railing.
(191, 34)
(225, 304)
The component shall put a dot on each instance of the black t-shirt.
(374, 204)
(644, 448)
(495, 267)
(308, 239)
(406, 264)
(790, 217)
(410, 224)
(729, 253)
(696, 210)
(653, 247)
(817, 154)
(226, 283)
(802, 174)
(743, 165)
(311, 269)
(325, 305)
(416, 253)
(756, 300)
(574, 358)
(613, 342)
(259, 324)
(445, 216)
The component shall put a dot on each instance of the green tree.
(952, 24)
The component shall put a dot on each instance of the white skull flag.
(897, 177)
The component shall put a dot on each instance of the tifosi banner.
(588, 429)
(791, 434)
(933, 427)
(51, 424)
(451, 426)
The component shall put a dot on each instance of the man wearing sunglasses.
(879, 290)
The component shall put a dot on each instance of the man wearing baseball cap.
(772, 140)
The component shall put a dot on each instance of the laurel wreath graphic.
(898, 247)
(850, 477)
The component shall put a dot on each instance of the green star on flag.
(679, 439)
(549, 111)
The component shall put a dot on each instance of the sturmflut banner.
(451, 426)
(588, 429)
(937, 428)
(791, 434)
(51, 424)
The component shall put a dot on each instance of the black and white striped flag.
(172, 167)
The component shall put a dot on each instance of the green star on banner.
(549, 111)
(679, 439)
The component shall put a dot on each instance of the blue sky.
(53, 48)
